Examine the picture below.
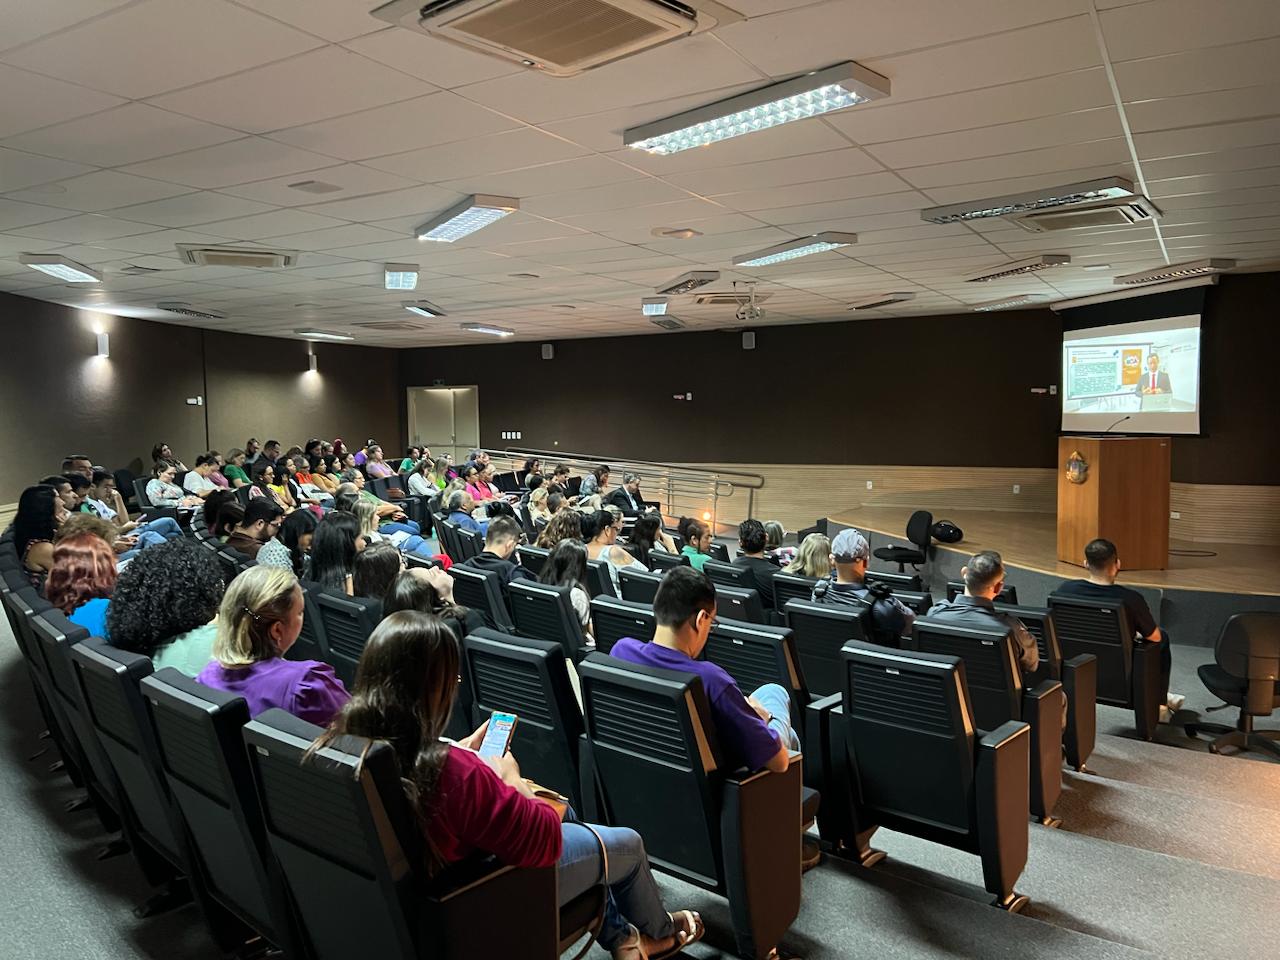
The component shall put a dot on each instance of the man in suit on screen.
(1154, 380)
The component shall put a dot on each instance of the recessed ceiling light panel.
(1177, 271)
(487, 329)
(472, 214)
(1017, 268)
(1107, 188)
(653, 306)
(795, 249)
(423, 308)
(400, 276)
(813, 94)
(688, 282)
(61, 268)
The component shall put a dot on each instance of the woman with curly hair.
(165, 605)
(82, 580)
(565, 525)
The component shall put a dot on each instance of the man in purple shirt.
(754, 732)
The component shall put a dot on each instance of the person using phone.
(405, 687)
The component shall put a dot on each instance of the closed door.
(446, 419)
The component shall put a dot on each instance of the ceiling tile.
(31, 100)
(24, 22)
(190, 208)
(126, 134)
(334, 20)
(438, 62)
(418, 202)
(1217, 106)
(867, 185)
(354, 179)
(206, 39)
(1095, 153)
(274, 223)
(560, 177)
(14, 214)
(497, 153)
(829, 165)
(86, 229)
(1199, 71)
(100, 191)
(331, 237)
(19, 170)
(227, 164)
(1211, 138)
(1153, 29)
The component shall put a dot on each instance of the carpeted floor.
(1166, 851)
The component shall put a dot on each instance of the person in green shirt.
(233, 469)
(698, 541)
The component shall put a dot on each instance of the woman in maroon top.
(405, 687)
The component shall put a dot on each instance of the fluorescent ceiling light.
(687, 282)
(311, 333)
(1096, 266)
(1021, 300)
(653, 306)
(1207, 280)
(486, 328)
(1177, 271)
(881, 300)
(794, 249)
(61, 268)
(1016, 268)
(1108, 188)
(813, 94)
(472, 214)
(400, 276)
(423, 308)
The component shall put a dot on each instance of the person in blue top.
(82, 580)
(459, 507)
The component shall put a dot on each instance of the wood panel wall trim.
(1213, 512)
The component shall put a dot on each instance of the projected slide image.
(1124, 374)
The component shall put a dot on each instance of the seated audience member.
(322, 477)
(161, 453)
(812, 559)
(539, 515)
(105, 500)
(163, 492)
(339, 449)
(597, 481)
(374, 569)
(197, 482)
(1103, 563)
(983, 578)
(252, 451)
(441, 472)
(430, 590)
(532, 483)
(751, 539)
(754, 732)
(420, 483)
(646, 536)
(230, 516)
(78, 463)
(259, 620)
(270, 452)
(458, 506)
(62, 487)
(214, 505)
(35, 526)
(375, 466)
(261, 522)
(697, 540)
(627, 497)
(850, 553)
(413, 543)
(499, 508)
(391, 519)
(404, 693)
(82, 580)
(565, 525)
(411, 458)
(559, 482)
(287, 477)
(217, 476)
(500, 542)
(80, 489)
(291, 546)
(556, 502)
(531, 467)
(234, 470)
(600, 530)
(313, 450)
(479, 492)
(566, 566)
(166, 606)
(267, 487)
(361, 456)
(334, 546)
(774, 551)
(301, 476)
(347, 462)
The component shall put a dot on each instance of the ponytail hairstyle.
(257, 599)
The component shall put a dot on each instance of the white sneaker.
(1165, 714)
(1175, 701)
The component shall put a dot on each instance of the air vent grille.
(728, 299)
(245, 257)
(668, 323)
(1116, 214)
(185, 310)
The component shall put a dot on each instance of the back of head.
(34, 519)
(1099, 555)
(408, 592)
(774, 533)
(296, 526)
(850, 547)
(166, 590)
(80, 484)
(683, 592)
(333, 549)
(566, 565)
(565, 525)
(502, 532)
(453, 503)
(813, 557)
(80, 524)
(645, 532)
(84, 569)
(261, 508)
(344, 500)
(374, 569)
(366, 515)
(214, 504)
(983, 571)
(257, 599)
(751, 536)
(498, 508)
(229, 517)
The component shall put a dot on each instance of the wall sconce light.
(311, 362)
(104, 345)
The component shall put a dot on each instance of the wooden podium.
(1118, 488)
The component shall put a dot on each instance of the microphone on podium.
(1118, 422)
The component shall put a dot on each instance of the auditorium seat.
(639, 586)
(533, 558)
(199, 732)
(1009, 595)
(415, 508)
(718, 551)
(232, 561)
(530, 678)
(311, 643)
(734, 603)
(352, 858)
(470, 542)
(545, 612)
(920, 534)
(919, 603)
(997, 695)
(903, 754)
(1079, 677)
(599, 583)
(348, 622)
(1246, 674)
(791, 586)
(481, 590)
(898, 581)
(613, 618)
(820, 630)
(447, 535)
(652, 746)
(1128, 670)
(661, 561)
(755, 654)
(726, 574)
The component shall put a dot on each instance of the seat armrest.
(1043, 708)
(1148, 698)
(1002, 776)
(826, 770)
(1080, 684)
(591, 811)
(456, 918)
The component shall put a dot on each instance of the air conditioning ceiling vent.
(561, 38)
(1121, 213)
(668, 322)
(728, 298)
(250, 257)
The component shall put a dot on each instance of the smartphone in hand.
(498, 736)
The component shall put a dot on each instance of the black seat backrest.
(613, 618)
(910, 734)
(1102, 629)
(791, 586)
(1008, 596)
(506, 482)
(820, 630)
(755, 654)
(202, 752)
(530, 679)
(990, 666)
(1039, 623)
(735, 603)
(639, 586)
(348, 622)
(728, 575)
(718, 551)
(662, 561)
(899, 581)
(471, 543)
(447, 531)
(654, 750)
(533, 558)
(109, 679)
(920, 530)
(233, 561)
(140, 492)
(481, 590)
(312, 643)
(545, 612)
(599, 582)
(342, 832)
(915, 601)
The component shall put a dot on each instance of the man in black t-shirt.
(1104, 566)
(751, 539)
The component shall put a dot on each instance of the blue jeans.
(774, 698)
(407, 526)
(633, 897)
(165, 527)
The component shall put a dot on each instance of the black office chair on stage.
(919, 532)
(1245, 674)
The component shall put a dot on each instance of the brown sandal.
(689, 929)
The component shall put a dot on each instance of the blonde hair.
(256, 599)
(813, 559)
(367, 516)
(538, 501)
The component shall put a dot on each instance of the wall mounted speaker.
(748, 340)
(548, 351)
